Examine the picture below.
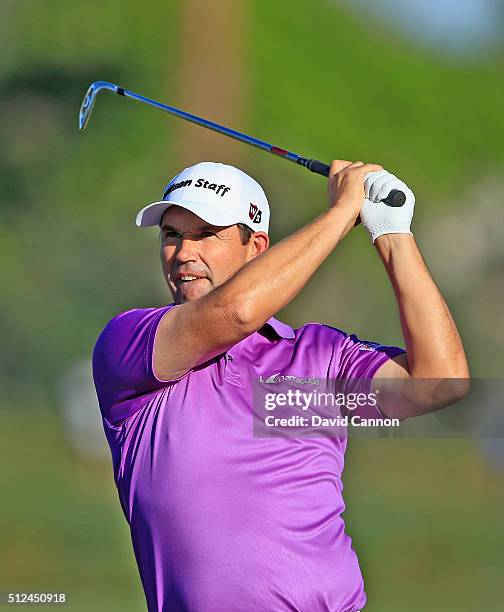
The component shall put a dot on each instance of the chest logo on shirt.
(279, 378)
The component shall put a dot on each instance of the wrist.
(387, 244)
(343, 217)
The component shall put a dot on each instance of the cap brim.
(152, 214)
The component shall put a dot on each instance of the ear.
(258, 243)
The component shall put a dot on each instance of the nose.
(186, 249)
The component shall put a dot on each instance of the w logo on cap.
(255, 213)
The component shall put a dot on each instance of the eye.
(207, 234)
(171, 234)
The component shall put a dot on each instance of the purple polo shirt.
(222, 521)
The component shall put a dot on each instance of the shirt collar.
(282, 329)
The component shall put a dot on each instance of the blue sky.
(457, 26)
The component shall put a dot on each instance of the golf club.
(395, 197)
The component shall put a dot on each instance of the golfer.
(222, 520)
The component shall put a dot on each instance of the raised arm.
(434, 372)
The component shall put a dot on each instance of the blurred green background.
(328, 80)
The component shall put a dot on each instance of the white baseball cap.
(218, 193)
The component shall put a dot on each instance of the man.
(221, 520)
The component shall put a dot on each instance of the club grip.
(395, 198)
(318, 167)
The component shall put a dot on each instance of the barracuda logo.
(279, 378)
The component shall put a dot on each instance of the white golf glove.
(379, 218)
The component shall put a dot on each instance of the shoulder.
(134, 316)
(322, 343)
(320, 332)
(328, 333)
(128, 324)
(341, 344)
(123, 320)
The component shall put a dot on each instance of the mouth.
(184, 279)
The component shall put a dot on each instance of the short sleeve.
(122, 362)
(360, 360)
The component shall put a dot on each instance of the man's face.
(191, 247)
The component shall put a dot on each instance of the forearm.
(270, 281)
(433, 344)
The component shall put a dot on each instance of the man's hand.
(379, 218)
(346, 187)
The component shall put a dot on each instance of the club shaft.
(394, 198)
(211, 125)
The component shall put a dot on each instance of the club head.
(89, 99)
